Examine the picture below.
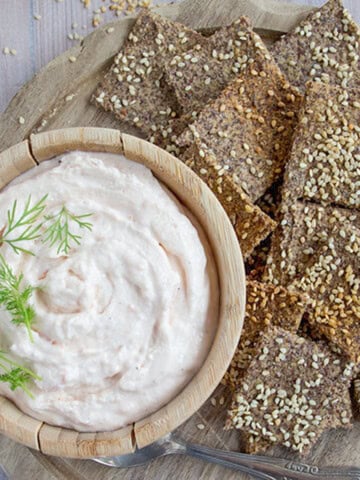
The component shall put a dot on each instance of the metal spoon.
(262, 468)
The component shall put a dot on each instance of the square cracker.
(323, 47)
(293, 390)
(324, 164)
(250, 126)
(200, 74)
(266, 305)
(316, 250)
(134, 88)
(250, 223)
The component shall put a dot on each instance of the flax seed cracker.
(250, 223)
(316, 250)
(250, 126)
(267, 305)
(293, 390)
(134, 88)
(323, 47)
(200, 74)
(324, 165)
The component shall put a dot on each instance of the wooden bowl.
(201, 201)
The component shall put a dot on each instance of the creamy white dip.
(123, 321)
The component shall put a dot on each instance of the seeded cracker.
(316, 250)
(266, 306)
(324, 165)
(134, 88)
(250, 125)
(292, 392)
(200, 74)
(324, 47)
(250, 223)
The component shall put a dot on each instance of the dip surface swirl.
(125, 320)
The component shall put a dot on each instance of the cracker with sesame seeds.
(250, 223)
(250, 126)
(134, 88)
(266, 305)
(316, 250)
(201, 74)
(293, 390)
(324, 164)
(323, 47)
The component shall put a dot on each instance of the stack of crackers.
(275, 134)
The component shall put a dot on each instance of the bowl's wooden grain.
(203, 204)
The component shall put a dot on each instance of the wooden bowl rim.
(205, 206)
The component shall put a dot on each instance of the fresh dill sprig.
(16, 375)
(15, 299)
(28, 220)
(58, 232)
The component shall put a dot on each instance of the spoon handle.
(268, 468)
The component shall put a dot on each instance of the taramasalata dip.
(123, 320)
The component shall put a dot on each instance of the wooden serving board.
(58, 96)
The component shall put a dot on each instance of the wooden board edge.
(18, 426)
(66, 443)
(205, 206)
(14, 161)
(50, 144)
